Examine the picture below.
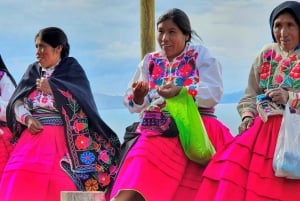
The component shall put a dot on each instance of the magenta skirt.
(243, 170)
(5, 147)
(157, 167)
(33, 171)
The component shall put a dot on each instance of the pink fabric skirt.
(5, 147)
(243, 170)
(33, 171)
(157, 167)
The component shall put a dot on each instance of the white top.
(195, 68)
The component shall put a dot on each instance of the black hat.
(293, 7)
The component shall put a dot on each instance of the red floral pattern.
(82, 142)
(278, 71)
(182, 71)
(281, 71)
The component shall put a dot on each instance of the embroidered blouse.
(195, 68)
(36, 100)
(272, 68)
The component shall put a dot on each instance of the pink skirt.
(5, 147)
(157, 167)
(243, 170)
(33, 171)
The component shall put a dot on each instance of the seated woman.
(156, 167)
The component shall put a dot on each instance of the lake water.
(119, 119)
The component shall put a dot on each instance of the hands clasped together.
(141, 88)
(278, 96)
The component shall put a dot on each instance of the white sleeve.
(7, 88)
(20, 111)
(210, 87)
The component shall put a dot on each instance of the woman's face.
(286, 31)
(171, 39)
(46, 55)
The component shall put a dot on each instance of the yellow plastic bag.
(192, 133)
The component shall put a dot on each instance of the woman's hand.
(168, 90)
(33, 125)
(247, 122)
(43, 85)
(140, 90)
(278, 95)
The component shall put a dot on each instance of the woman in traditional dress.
(62, 143)
(243, 170)
(156, 167)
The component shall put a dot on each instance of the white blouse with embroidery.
(195, 68)
(37, 99)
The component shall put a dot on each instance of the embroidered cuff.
(23, 117)
(247, 114)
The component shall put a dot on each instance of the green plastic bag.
(192, 133)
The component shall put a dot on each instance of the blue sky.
(104, 35)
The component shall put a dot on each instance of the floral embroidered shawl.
(93, 146)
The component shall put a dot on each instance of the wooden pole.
(147, 26)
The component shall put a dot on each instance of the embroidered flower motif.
(156, 72)
(44, 99)
(152, 85)
(104, 179)
(283, 68)
(190, 52)
(113, 169)
(293, 58)
(295, 72)
(87, 157)
(269, 55)
(96, 146)
(79, 126)
(99, 168)
(185, 70)
(188, 82)
(104, 156)
(278, 79)
(265, 71)
(82, 142)
(91, 185)
(192, 92)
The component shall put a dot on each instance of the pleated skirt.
(33, 171)
(157, 166)
(243, 170)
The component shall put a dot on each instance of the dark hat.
(293, 7)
